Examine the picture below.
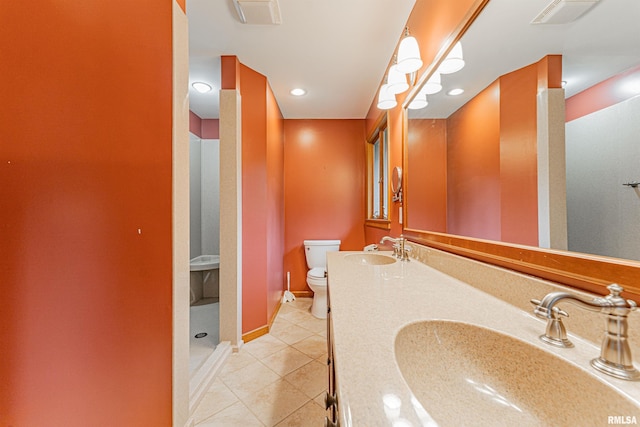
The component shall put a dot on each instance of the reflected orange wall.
(427, 167)
(473, 167)
(85, 206)
(604, 94)
(324, 168)
(519, 152)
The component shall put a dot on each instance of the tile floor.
(278, 379)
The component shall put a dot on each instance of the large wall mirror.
(499, 168)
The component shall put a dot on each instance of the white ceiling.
(337, 50)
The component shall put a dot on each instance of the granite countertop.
(370, 304)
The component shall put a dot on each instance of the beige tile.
(313, 346)
(238, 361)
(310, 415)
(236, 415)
(275, 402)
(286, 308)
(319, 399)
(311, 379)
(287, 360)
(249, 379)
(280, 323)
(302, 303)
(323, 334)
(298, 316)
(264, 346)
(314, 325)
(290, 333)
(217, 398)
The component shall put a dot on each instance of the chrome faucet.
(615, 354)
(400, 250)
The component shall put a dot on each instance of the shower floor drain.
(201, 335)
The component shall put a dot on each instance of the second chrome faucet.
(400, 249)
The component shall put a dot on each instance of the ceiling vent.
(258, 12)
(563, 11)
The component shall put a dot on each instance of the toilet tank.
(316, 252)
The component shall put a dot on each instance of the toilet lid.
(318, 272)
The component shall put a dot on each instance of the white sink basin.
(370, 259)
(204, 262)
(485, 378)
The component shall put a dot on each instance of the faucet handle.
(555, 333)
(542, 311)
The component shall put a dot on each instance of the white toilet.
(316, 253)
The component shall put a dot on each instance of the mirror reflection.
(538, 147)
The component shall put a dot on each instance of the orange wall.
(604, 94)
(518, 156)
(427, 167)
(204, 128)
(253, 88)
(473, 167)
(324, 171)
(275, 203)
(85, 206)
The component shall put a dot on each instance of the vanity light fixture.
(418, 102)
(409, 59)
(453, 62)
(397, 81)
(386, 99)
(455, 92)
(202, 87)
(433, 85)
(298, 92)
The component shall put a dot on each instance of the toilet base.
(319, 305)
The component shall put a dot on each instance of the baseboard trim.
(303, 294)
(256, 333)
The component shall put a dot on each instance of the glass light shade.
(386, 99)
(409, 55)
(433, 85)
(201, 87)
(453, 62)
(420, 101)
(396, 81)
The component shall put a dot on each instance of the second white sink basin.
(485, 377)
(370, 259)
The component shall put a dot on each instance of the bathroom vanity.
(411, 345)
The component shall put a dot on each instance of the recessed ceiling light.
(454, 92)
(202, 87)
(298, 92)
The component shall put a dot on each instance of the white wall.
(195, 190)
(603, 152)
(210, 196)
(204, 191)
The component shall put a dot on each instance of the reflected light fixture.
(397, 81)
(456, 91)
(202, 87)
(433, 85)
(453, 62)
(298, 92)
(386, 99)
(408, 54)
(420, 101)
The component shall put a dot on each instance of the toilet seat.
(317, 273)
